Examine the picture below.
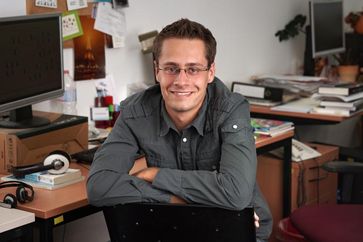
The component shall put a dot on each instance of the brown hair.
(186, 29)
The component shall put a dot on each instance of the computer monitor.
(327, 32)
(31, 66)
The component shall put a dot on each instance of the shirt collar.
(166, 123)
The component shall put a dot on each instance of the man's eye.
(193, 70)
(171, 69)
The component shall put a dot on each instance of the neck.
(182, 120)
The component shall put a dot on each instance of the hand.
(257, 220)
(147, 174)
(138, 165)
(177, 200)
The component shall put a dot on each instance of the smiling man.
(194, 134)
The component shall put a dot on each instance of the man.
(194, 133)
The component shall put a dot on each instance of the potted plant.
(355, 20)
(348, 67)
(292, 28)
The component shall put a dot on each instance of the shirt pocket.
(208, 160)
(160, 161)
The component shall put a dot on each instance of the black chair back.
(146, 222)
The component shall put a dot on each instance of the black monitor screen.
(31, 60)
(327, 27)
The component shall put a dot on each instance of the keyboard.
(85, 156)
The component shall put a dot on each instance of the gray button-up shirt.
(211, 162)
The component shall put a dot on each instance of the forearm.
(204, 187)
(107, 188)
(109, 182)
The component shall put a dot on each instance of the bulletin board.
(61, 7)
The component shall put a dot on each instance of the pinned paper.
(110, 21)
(76, 4)
(46, 3)
(71, 25)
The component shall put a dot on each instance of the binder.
(256, 91)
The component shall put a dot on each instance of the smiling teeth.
(182, 93)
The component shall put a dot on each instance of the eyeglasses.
(191, 71)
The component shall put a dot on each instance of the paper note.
(76, 4)
(110, 21)
(46, 3)
(71, 25)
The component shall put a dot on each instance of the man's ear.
(156, 71)
(211, 72)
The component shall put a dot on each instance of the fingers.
(257, 220)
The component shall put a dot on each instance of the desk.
(57, 207)
(311, 119)
(266, 144)
(15, 223)
(298, 118)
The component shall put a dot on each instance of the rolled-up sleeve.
(232, 185)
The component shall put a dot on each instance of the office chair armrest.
(343, 167)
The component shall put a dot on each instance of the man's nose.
(182, 76)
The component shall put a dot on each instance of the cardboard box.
(309, 183)
(24, 147)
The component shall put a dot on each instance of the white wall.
(246, 46)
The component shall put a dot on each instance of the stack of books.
(49, 181)
(341, 99)
(269, 127)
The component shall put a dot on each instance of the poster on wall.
(89, 52)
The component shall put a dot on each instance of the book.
(270, 127)
(354, 104)
(344, 89)
(262, 92)
(42, 185)
(303, 105)
(334, 97)
(46, 177)
(332, 111)
(262, 102)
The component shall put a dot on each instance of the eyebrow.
(188, 64)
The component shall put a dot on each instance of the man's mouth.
(181, 93)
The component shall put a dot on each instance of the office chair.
(139, 222)
(327, 222)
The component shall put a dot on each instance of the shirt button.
(185, 140)
(234, 126)
(214, 167)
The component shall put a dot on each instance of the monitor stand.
(309, 63)
(22, 118)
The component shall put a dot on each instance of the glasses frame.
(178, 70)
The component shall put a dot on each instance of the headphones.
(24, 193)
(57, 162)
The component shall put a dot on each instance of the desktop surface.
(271, 114)
(49, 203)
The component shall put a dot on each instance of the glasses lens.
(191, 71)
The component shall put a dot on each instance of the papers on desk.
(303, 105)
(294, 78)
(14, 218)
(301, 85)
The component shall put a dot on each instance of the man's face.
(183, 92)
